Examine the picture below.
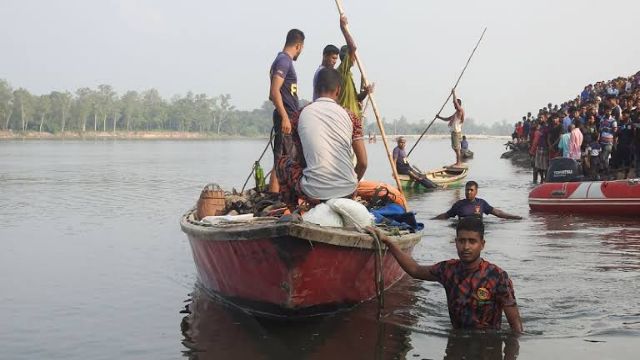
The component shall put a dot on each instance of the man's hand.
(382, 236)
(369, 88)
(285, 127)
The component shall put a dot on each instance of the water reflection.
(212, 329)
(487, 346)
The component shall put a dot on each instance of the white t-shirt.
(326, 133)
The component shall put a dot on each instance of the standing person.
(283, 92)
(608, 128)
(455, 124)
(478, 292)
(327, 135)
(349, 98)
(624, 146)
(575, 142)
(533, 149)
(473, 206)
(563, 144)
(542, 151)
(553, 138)
(329, 60)
(593, 154)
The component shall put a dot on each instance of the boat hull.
(283, 271)
(618, 198)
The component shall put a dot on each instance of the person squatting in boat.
(478, 292)
(318, 166)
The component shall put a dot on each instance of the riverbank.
(123, 135)
(179, 135)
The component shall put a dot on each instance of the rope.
(451, 93)
(378, 276)
(253, 168)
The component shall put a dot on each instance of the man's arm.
(276, 99)
(361, 157)
(459, 108)
(347, 36)
(501, 214)
(443, 216)
(448, 118)
(455, 100)
(513, 317)
(407, 263)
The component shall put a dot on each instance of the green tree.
(60, 104)
(131, 108)
(42, 109)
(6, 102)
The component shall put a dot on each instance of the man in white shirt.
(327, 135)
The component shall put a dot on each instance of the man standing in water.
(477, 290)
(472, 206)
(283, 92)
(455, 123)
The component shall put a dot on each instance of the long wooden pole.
(450, 93)
(374, 106)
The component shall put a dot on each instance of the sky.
(533, 52)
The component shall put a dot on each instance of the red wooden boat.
(288, 269)
(619, 197)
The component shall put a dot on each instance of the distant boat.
(466, 154)
(289, 269)
(440, 178)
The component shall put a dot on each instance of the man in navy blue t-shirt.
(473, 206)
(283, 92)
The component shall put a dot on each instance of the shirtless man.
(455, 123)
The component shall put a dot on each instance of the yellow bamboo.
(374, 106)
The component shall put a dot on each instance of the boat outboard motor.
(564, 170)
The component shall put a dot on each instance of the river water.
(93, 264)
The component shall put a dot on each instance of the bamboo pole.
(374, 106)
(450, 93)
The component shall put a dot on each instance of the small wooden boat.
(442, 178)
(466, 154)
(619, 197)
(288, 269)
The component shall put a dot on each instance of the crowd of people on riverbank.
(600, 129)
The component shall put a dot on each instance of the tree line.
(103, 110)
